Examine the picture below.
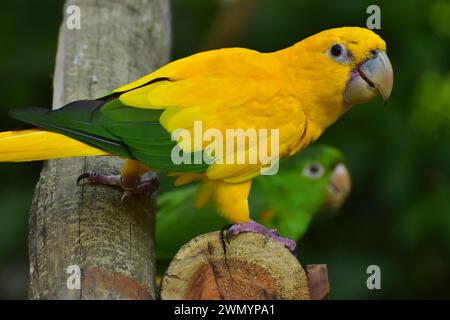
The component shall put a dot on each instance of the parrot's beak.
(367, 80)
(339, 187)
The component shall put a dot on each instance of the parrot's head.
(337, 68)
(315, 181)
(323, 167)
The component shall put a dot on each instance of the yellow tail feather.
(37, 144)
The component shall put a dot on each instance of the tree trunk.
(251, 267)
(83, 243)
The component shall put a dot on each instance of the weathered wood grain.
(255, 268)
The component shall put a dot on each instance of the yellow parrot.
(300, 91)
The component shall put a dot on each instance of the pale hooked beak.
(339, 187)
(367, 80)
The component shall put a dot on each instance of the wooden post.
(254, 267)
(86, 228)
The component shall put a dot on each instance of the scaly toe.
(255, 227)
(288, 243)
(148, 184)
(93, 177)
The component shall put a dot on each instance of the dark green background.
(398, 214)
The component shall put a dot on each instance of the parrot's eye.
(339, 53)
(336, 50)
(314, 171)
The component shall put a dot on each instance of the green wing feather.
(112, 126)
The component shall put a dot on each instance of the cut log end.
(255, 267)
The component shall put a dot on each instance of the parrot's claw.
(125, 195)
(255, 227)
(145, 184)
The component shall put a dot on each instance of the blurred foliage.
(398, 215)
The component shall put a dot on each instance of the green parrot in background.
(316, 179)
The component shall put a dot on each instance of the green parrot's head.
(324, 165)
(315, 180)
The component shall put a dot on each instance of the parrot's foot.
(255, 227)
(145, 184)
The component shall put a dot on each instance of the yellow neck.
(322, 99)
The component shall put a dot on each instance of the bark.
(87, 226)
(319, 288)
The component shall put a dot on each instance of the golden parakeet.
(299, 91)
(315, 180)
